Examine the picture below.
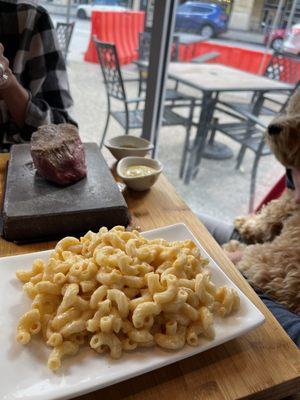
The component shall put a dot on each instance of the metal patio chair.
(115, 89)
(281, 67)
(248, 130)
(256, 107)
(64, 33)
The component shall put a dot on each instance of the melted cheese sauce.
(139, 170)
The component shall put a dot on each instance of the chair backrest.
(283, 67)
(64, 33)
(110, 66)
(285, 104)
(144, 46)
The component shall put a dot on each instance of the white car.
(84, 11)
(292, 42)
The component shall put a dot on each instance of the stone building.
(254, 15)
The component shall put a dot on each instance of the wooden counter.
(263, 364)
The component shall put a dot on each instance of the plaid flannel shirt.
(30, 44)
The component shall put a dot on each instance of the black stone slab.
(34, 209)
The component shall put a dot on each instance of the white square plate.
(24, 373)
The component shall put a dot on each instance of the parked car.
(84, 11)
(277, 38)
(292, 42)
(205, 19)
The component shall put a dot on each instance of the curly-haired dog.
(271, 261)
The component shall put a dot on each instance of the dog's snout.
(274, 129)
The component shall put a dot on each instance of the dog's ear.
(274, 129)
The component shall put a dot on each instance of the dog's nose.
(274, 129)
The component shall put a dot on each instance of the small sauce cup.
(127, 145)
(139, 183)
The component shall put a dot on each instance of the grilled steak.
(58, 153)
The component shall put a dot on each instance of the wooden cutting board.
(34, 209)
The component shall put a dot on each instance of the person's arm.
(39, 93)
(16, 99)
(46, 74)
(14, 95)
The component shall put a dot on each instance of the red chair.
(274, 193)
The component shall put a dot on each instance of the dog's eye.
(274, 129)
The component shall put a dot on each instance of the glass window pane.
(198, 47)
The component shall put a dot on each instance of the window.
(186, 9)
(201, 9)
(217, 177)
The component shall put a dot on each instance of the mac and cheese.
(118, 291)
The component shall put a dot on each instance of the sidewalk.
(244, 36)
(58, 9)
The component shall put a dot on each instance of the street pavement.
(82, 32)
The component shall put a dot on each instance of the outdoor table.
(211, 80)
(263, 364)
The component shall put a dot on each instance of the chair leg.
(139, 90)
(126, 128)
(185, 151)
(186, 145)
(253, 182)
(105, 129)
(240, 156)
(126, 120)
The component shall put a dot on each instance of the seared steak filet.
(58, 153)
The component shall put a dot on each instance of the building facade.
(247, 15)
(257, 15)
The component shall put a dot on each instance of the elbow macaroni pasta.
(118, 291)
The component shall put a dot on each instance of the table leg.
(208, 103)
(217, 151)
(202, 147)
(258, 104)
(214, 150)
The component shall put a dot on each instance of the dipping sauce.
(139, 170)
